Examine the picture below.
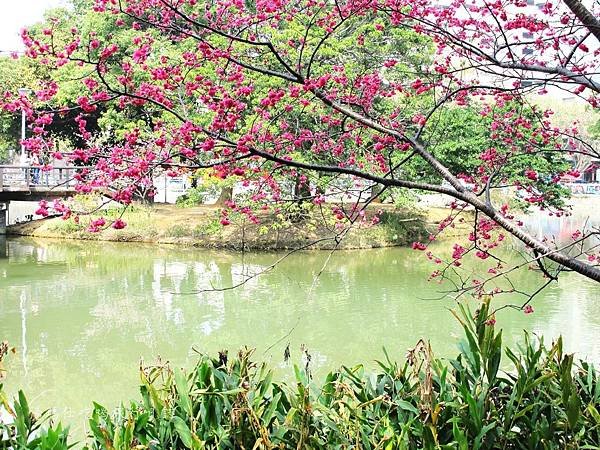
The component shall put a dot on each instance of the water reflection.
(561, 229)
(3, 247)
(83, 314)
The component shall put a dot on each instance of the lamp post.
(22, 92)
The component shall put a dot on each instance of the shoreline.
(199, 227)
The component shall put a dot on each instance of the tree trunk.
(301, 191)
(225, 195)
(376, 192)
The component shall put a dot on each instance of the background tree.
(15, 74)
(461, 138)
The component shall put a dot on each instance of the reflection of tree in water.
(93, 309)
(123, 313)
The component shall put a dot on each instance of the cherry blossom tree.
(307, 90)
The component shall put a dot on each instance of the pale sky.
(18, 14)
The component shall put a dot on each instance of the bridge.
(31, 183)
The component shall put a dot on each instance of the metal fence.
(17, 177)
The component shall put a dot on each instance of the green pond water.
(81, 315)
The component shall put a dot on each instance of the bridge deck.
(27, 183)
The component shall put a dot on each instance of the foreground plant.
(543, 401)
(20, 428)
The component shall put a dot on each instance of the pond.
(83, 314)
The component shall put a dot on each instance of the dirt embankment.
(199, 226)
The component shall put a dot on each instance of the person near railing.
(35, 169)
(24, 161)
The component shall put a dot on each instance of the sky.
(17, 14)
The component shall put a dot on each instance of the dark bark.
(301, 190)
(585, 17)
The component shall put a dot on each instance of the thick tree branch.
(585, 16)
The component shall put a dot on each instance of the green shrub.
(543, 401)
(403, 227)
(405, 198)
(193, 197)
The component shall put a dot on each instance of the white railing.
(17, 177)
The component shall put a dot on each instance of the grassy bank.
(200, 226)
(543, 400)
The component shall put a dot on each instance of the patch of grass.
(63, 226)
(179, 231)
